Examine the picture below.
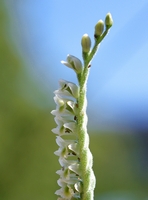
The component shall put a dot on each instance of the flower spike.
(76, 177)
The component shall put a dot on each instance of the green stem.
(85, 154)
(86, 168)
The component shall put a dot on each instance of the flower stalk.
(77, 179)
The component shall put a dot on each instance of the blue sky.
(118, 81)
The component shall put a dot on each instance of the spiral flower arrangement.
(77, 179)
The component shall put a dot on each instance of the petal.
(75, 62)
(66, 118)
(66, 163)
(67, 64)
(62, 152)
(75, 168)
(63, 143)
(74, 148)
(64, 94)
(71, 127)
(59, 101)
(73, 106)
(70, 87)
(63, 108)
(63, 112)
(65, 192)
(79, 187)
(64, 174)
(74, 89)
(60, 130)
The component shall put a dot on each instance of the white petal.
(75, 148)
(61, 142)
(72, 88)
(65, 163)
(66, 118)
(64, 94)
(65, 192)
(75, 168)
(73, 106)
(72, 126)
(59, 101)
(75, 62)
(78, 186)
(64, 174)
(62, 152)
(67, 64)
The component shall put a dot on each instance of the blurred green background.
(27, 162)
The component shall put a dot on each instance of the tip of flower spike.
(108, 21)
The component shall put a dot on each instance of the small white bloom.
(67, 176)
(67, 89)
(64, 151)
(60, 130)
(63, 128)
(75, 168)
(73, 106)
(74, 147)
(71, 127)
(64, 107)
(65, 192)
(64, 173)
(73, 63)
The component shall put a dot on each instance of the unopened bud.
(99, 28)
(108, 20)
(86, 43)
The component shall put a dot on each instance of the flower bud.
(99, 28)
(86, 43)
(74, 63)
(108, 20)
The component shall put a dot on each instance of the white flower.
(67, 89)
(67, 135)
(75, 168)
(65, 192)
(67, 148)
(64, 107)
(63, 151)
(69, 128)
(73, 63)
(68, 190)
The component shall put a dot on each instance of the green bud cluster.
(101, 29)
